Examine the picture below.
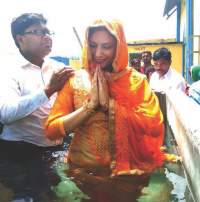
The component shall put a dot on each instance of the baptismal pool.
(19, 184)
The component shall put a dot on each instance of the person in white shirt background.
(194, 89)
(165, 77)
(28, 88)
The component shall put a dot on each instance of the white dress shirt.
(171, 80)
(24, 106)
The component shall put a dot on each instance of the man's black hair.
(21, 23)
(162, 53)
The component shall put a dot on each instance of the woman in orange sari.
(114, 115)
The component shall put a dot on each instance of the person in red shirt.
(136, 64)
(147, 67)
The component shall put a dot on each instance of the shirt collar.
(167, 74)
(24, 63)
(20, 60)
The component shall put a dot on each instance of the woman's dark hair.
(162, 53)
(21, 23)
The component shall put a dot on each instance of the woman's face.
(103, 49)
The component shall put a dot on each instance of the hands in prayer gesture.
(99, 91)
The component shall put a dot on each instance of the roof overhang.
(170, 7)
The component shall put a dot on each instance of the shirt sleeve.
(14, 105)
(54, 127)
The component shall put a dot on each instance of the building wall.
(182, 20)
(196, 17)
(196, 42)
(75, 63)
(196, 29)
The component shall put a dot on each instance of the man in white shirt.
(165, 77)
(28, 88)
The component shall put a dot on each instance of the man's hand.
(57, 81)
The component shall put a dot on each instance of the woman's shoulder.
(81, 73)
(80, 80)
(137, 80)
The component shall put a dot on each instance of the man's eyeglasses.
(40, 32)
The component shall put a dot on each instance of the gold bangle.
(88, 108)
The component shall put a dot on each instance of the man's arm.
(14, 106)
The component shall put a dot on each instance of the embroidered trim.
(111, 120)
(88, 108)
(129, 172)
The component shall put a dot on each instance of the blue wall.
(64, 60)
